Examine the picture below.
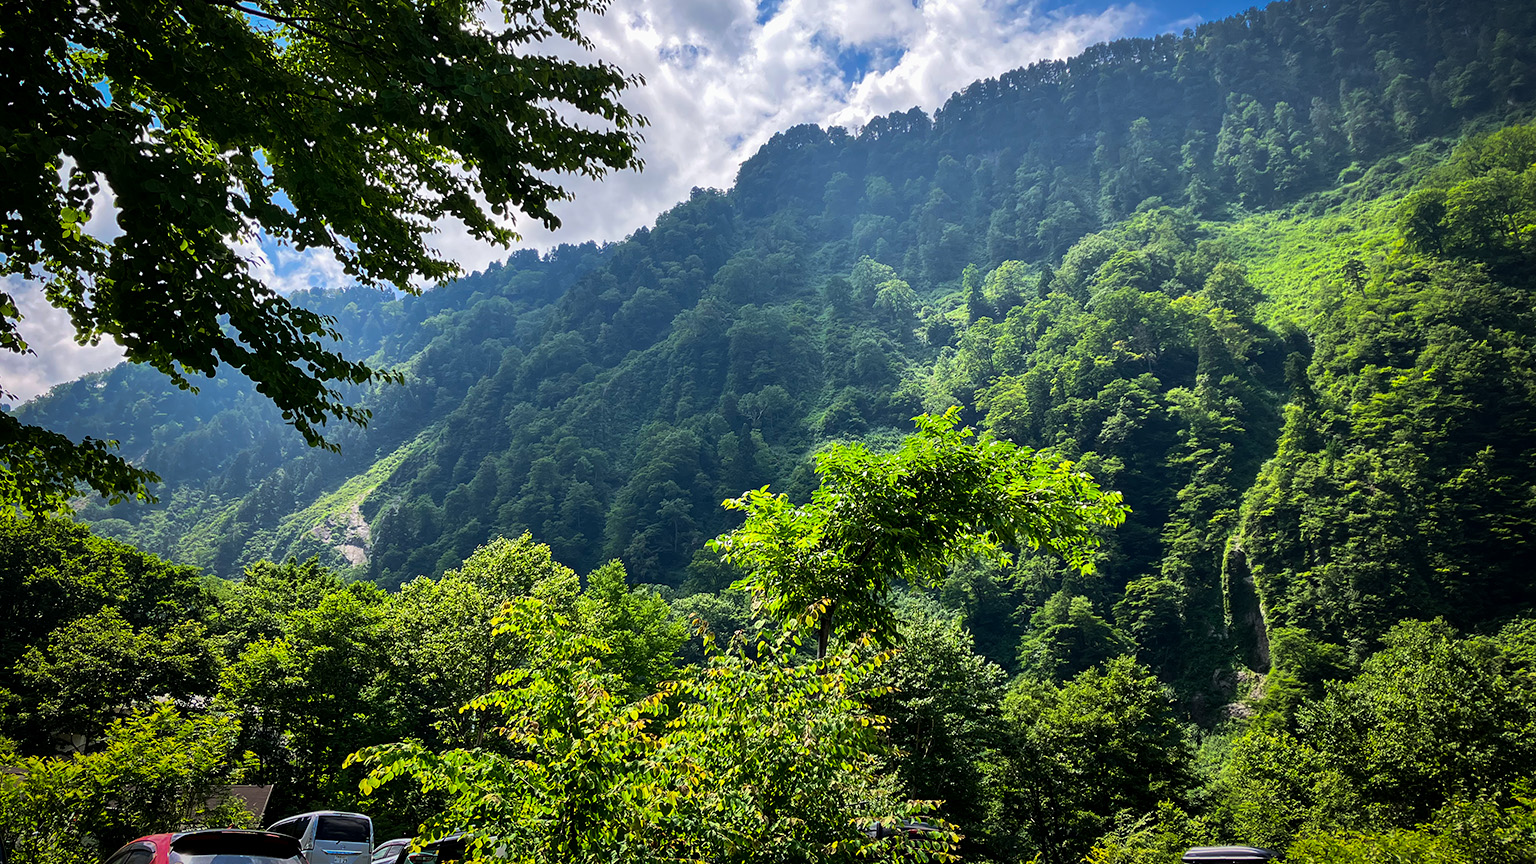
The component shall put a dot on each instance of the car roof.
(324, 813)
(1228, 854)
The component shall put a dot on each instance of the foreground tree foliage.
(942, 704)
(213, 125)
(1106, 742)
(559, 721)
(306, 665)
(757, 755)
(156, 767)
(1433, 719)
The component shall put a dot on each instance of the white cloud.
(865, 21)
(47, 331)
(960, 41)
(50, 335)
(719, 84)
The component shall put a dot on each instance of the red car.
(216, 846)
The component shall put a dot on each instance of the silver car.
(329, 836)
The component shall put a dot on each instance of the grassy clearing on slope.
(1294, 259)
(1295, 255)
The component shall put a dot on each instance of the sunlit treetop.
(877, 518)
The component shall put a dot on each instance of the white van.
(329, 836)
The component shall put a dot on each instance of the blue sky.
(722, 77)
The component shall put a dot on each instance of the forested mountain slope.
(1164, 257)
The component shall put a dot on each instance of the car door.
(297, 828)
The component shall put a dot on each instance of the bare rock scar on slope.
(347, 533)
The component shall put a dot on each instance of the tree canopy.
(346, 126)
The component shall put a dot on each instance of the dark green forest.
(1270, 280)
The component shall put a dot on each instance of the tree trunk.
(824, 635)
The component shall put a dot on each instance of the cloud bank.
(722, 76)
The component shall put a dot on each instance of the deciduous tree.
(346, 126)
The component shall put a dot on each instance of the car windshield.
(344, 828)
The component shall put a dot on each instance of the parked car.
(398, 851)
(217, 846)
(909, 830)
(329, 836)
(392, 851)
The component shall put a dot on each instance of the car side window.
(292, 827)
(138, 855)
